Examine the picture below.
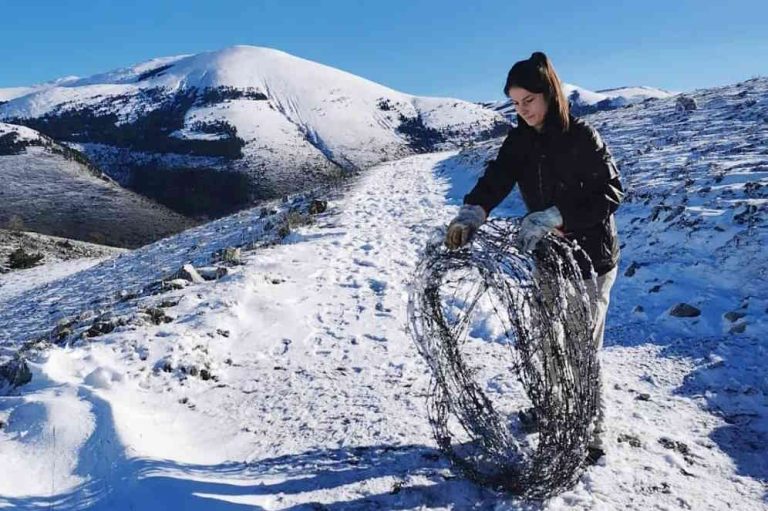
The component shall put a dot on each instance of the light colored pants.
(599, 298)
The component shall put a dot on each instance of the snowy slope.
(55, 251)
(584, 101)
(290, 383)
(284, 121)
(51, 189)
(636, 93)
(9, 93)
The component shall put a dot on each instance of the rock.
(157, 315)
(680, 447)
(175, 284)
(632, 269)
(265, 212)
(62, 330)
(229, 255)
(15, 373)
(734, 316)
(675, 213)
(213, 272)
(738, 328)
(630, 439)
(638, 309)
(685, 104)
(318, 206)
(105, 324)
(169, 302)
(683, 310)
(189, 273)
(643, 396)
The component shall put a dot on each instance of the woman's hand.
(463, 227)
(536, 225)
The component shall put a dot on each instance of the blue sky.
(439, 48)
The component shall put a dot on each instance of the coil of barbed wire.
(529, 316)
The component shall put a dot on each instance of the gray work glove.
(463, 227)
(536, 225)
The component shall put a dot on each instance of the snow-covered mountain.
(52, 189)
(282, 377)
(9, 93)
(284, 122)
(584, 101)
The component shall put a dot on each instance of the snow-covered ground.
(290, 383)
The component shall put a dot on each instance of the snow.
(9, 93)
(272, 139)
(316, 395)
(23, 134)
(301, 122)
(338, 111)
(586, 96)
(639, 92)
(14, 284)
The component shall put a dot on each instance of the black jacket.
(573, 171)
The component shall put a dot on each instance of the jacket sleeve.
(600, 191)
(498, 179)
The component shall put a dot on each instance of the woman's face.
(531, 106)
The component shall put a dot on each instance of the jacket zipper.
(541, 185)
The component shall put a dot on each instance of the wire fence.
(528, 316)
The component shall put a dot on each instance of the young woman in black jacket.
(568, 181)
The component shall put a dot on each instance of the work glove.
(536, 225)
(463, 227)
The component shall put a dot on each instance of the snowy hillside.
(284, 379)
(52, 189)
(9, 93)
(51, 258)
(284, 122)
(636, 94)
(584, 101)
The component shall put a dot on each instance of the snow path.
(317, 400)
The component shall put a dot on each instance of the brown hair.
(537, 74)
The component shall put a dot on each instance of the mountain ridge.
(284, 122)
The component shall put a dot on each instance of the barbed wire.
(489, 304)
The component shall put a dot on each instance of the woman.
(568, 181)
